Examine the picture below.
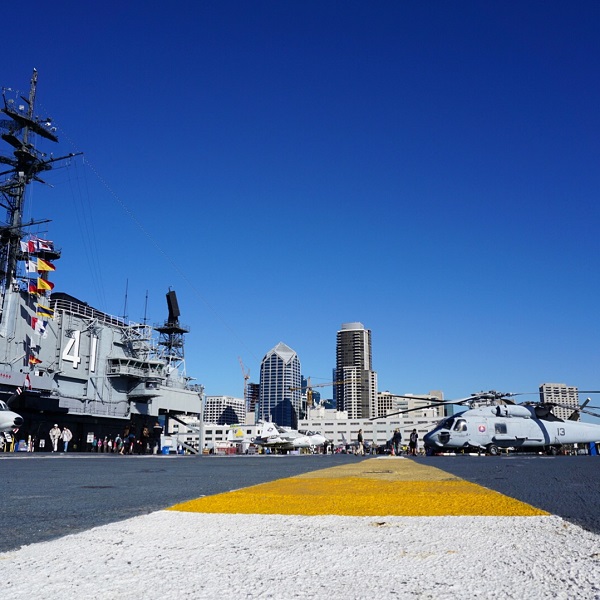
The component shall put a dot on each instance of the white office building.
(340, 428)
(421, 404)
(224, 409)
(559, 393)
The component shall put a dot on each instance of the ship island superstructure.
(61, 360)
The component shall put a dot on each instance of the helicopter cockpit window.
(500, 427)
(460, 425)
(447, 423)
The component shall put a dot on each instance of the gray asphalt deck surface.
(567, 486)
(47, 496)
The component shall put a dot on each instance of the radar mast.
(171, 335)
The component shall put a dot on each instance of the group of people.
(128, 443)
(147, 442)
(413, 442)
(396, 443)
(57, 435)
(108, 444)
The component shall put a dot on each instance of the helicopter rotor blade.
(491, 395)
(407, 410)
(589, 412)
(434, 402)
(500, 396)
(423, 397)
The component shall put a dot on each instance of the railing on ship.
(84, 310)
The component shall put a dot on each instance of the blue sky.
(429, 169)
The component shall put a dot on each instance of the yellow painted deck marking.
(376, 487)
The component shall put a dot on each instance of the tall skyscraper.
(279, 372)
(358, 393)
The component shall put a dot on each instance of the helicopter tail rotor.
(574, 416)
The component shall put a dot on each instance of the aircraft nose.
(18, 421)
(444, 437)
(437, 438)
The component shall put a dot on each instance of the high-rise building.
(224, 410)
(356, 388)
(252, 393)
(561, 394)
(280, 385)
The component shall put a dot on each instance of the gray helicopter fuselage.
(508, 426)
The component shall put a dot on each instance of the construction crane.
(309, 387)
(246, 375)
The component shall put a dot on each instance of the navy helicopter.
(493, 421)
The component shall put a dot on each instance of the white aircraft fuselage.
(285, 438)
(9, 420)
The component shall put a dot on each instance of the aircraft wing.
(274, 442)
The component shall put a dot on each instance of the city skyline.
(357, 340)
(427, 169)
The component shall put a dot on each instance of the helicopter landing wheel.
(493, 450)
(552, 451)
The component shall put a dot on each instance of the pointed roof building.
(279, 374)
